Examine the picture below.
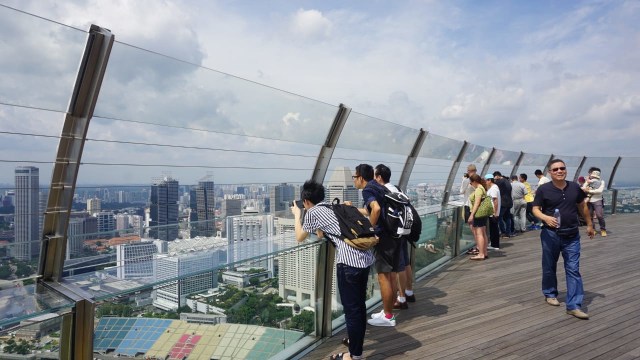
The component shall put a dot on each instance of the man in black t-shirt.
(561, 236)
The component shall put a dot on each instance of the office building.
(205, 209)
(94, 205)
(173, 294)
(249, 237)
(163, 209)
(340, 186)
(280, 197)
(27, 213)
(135, 260)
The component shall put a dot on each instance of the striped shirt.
(323, 218)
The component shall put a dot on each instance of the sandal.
(477, 257)
(473, 251)
(345, 341)
(336, 356)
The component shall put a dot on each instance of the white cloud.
(310, 24)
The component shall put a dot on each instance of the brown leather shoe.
(579, 314)
(552, 301)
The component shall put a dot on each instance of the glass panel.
(362, 132)
(142, 86)
(20, 302)
(431, 170)
(188, 156)
(250, 309)
(605, 164)
(627, 173)
(529, 164)
(628, 200)
(39, 61)
(503, 161)
(39, 336)
(436, 240)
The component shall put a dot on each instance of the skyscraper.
(279, 198)
(27, 212)
(340, 186)
(164, 209)
(205, 208)
(248, 237)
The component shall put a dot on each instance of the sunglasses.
(561, 168)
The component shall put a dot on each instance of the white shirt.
(494, 193)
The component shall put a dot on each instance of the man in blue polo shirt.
(561, 236)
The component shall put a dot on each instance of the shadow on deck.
(494, 309)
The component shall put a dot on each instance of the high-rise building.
(75, 237)
(27, 213)
(164, 209)
(106, 224)
(340, 186)
(205, 208)
(135, 260)
(94, 205)
(280, 196)
(249, 237)
(122, 221)
(231, 207)
(173, 294)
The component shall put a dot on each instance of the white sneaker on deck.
(382, 321)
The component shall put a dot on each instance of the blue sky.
(557, 77)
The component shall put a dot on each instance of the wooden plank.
(495, 309)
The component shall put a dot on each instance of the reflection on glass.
(177, 94)
(250, 309)
(362, 132)
(440, 147)
(39, 61)
(627, 173)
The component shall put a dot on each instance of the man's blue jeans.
(552, 246)
(352, 284)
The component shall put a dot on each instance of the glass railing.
(180, 210)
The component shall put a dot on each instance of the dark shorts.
(388, 254)
(480, 222)
(404, 254)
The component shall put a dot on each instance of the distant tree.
(254, 281)
(23, 270)
(5, 272)
(305, 322)
(184, 308)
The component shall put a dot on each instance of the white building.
(135, 260)
(340, 186)
(172, 294)
(250, 237)
(27, 213)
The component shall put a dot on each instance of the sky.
(558, 77)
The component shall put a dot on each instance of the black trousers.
(494, 232)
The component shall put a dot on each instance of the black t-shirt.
(549, 198)
(505, 193)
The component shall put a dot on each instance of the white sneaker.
(382, 321)
(378, 314)
(492, 248)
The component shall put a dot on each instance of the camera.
(297, 203)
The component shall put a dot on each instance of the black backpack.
(355, 229)
(400, 218)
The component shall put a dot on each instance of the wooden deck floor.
(494, 309)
